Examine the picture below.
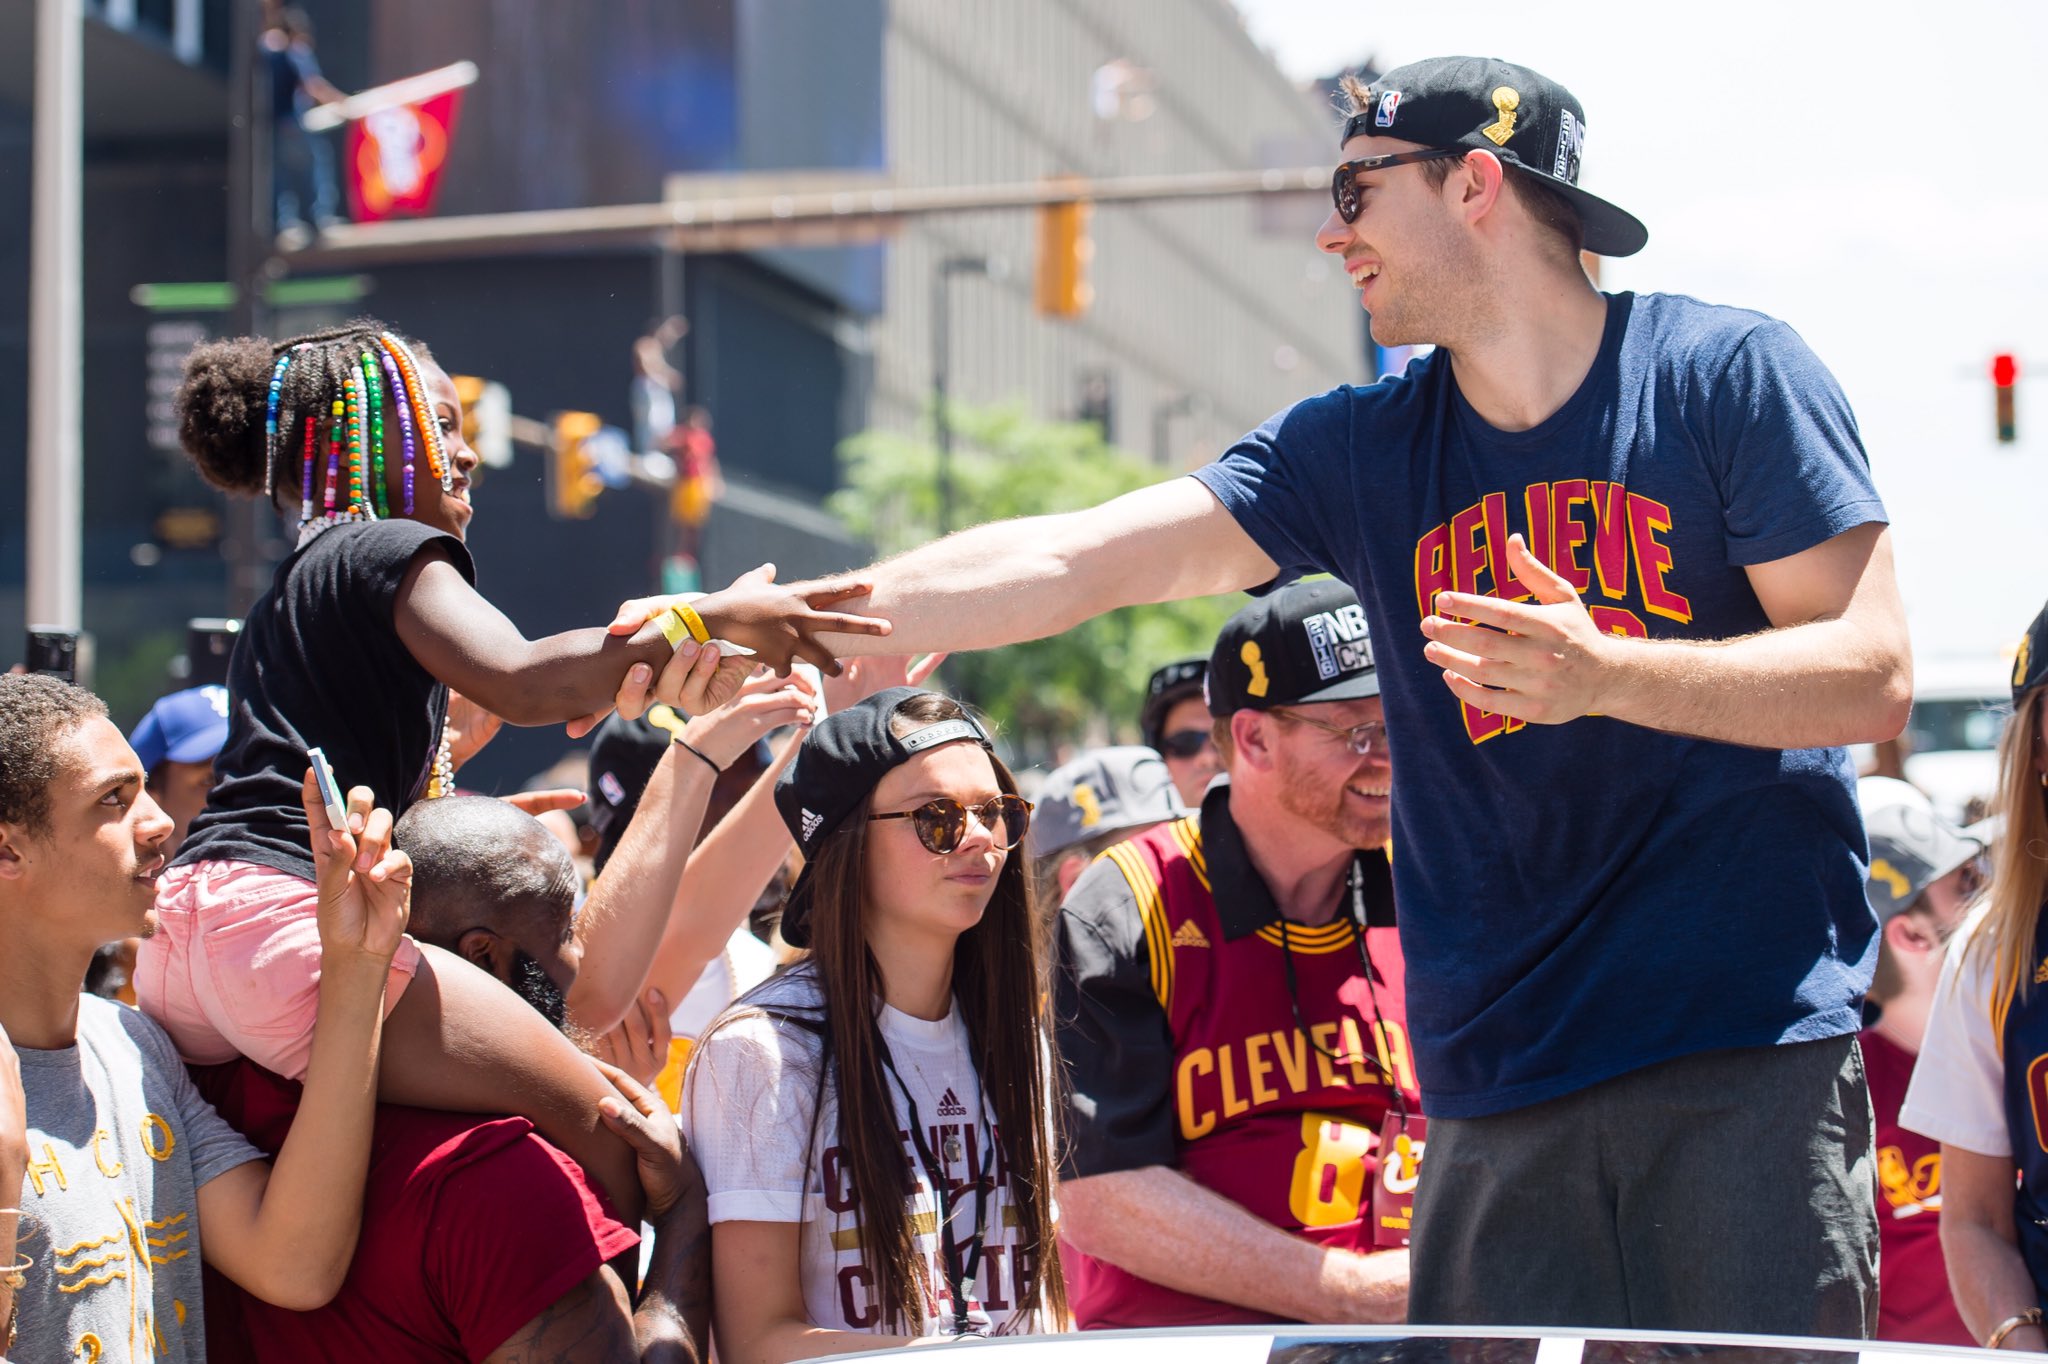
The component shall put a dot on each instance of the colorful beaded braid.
(270, 423)
(373, 390)
(358, 499)
(306, 498)
(429, 429)
(334, 456)
(404, 411)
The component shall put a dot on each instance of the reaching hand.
(640, 1044)
(780, 624)
(1541, 662)
(667, 1173)
(540, 802)
(365, 883)
(863, 677)
(468, 728)
(764, 704)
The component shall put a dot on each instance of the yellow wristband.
(680, 622)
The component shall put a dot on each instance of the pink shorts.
(234, 966)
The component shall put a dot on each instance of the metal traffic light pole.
(56, 331)
(249, 520)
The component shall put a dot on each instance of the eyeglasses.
(942, 823)
(1360, 739)
(1185, 743)
(1344, 183)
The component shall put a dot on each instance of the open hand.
(365, 883)
(863, 677)
(764, 704)
(468, 728)
(1545, 662)
(667, 1173)
(640, 1044)
(780, 624)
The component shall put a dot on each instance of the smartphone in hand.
(330, 790)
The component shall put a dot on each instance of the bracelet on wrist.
(2030, 1317)
(681, 742)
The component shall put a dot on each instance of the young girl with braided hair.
(366, 626)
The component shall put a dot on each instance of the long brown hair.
(1000, 985)
(2019, 861)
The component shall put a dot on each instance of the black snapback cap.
(2030, 665)
(1168, 687)
(1306, 642)
(1533, 124)
(839, 764)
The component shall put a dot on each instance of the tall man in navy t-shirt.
(1645, 588)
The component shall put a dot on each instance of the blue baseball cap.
(189, 726)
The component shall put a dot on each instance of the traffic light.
(573, 481)
(486, 419)
(2005, 373)
(1064, 253)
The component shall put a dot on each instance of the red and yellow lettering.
(1292, 1049)
(856, 1301)
(1482, 725)
(1618, 620)
(1325, 1035)
(1432, 568)
(1233, 1106)
(1468, 553)
(1536, 516)
(838, 1181)
(1610, 537)
(1354, 1050)
(1193, 1124)
(1506, 586)
(1568, 532)
(991, 1285)
(1329, 1173)
(1394, 1053)
(1646, 519)
(1257, 1068)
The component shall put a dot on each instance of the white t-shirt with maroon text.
(749, 1101)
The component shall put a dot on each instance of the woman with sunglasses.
(874, 1125)
(1979, 1088)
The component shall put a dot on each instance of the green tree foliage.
(1005, 464)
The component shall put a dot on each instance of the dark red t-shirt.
(1913, 1299)
(470, 1227)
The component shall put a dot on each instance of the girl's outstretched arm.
(459, 1041)
(464, 641)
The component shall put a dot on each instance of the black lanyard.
(1371, 975)
(962, 1272)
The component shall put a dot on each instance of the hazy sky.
(1870, 173)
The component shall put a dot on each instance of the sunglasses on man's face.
(1344, 182)
(1185, 743)
(941, 824)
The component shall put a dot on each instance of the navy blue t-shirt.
(1583, 899)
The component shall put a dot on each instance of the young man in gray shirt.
(122, 1170)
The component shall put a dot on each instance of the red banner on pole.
(395, 156)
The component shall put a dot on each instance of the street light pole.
(942, 415)
(56, 331)
(250, 523)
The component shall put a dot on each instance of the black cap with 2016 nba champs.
(1533, 124)
(2030, 665)
(839, 763)
(1306, 642)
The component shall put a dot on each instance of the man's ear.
(1912, 932)
(484, 949)
(1481, 182)
(1251, 737)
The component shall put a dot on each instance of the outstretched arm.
(1011, 581)
(1835, 668)
(1986, 1272)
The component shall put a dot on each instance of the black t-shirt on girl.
(319, 664)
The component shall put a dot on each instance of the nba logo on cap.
(1384, 116)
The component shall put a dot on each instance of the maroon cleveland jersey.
(1913, 1300)
(1185, 1048)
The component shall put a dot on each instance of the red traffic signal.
(2004, 370)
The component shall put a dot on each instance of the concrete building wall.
(1196, 302)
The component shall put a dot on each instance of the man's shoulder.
(1113, 889)
(113, 1030)
(1689, 332)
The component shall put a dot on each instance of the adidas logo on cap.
(811, 820)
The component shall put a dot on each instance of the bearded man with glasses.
(1230, 1009)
